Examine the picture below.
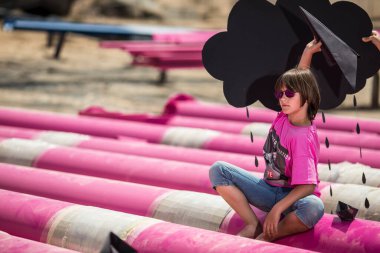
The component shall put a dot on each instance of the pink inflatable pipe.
(337, 241)
(17, 217)
(186, 105)
(341, 138)
(125, 197)
(151, 171)
(137, 147)
(14, 244)
(155, 133)
(155, 172)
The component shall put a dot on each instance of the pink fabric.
(200, 36)
(293, 152)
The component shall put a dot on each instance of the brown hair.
(304, 82)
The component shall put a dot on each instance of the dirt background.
(88, 75)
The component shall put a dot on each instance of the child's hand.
(271, 223)
(374, 38)
(310, 49)
(313, 47)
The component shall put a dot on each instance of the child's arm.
(375, 38)
(310, 49)
(273, 217)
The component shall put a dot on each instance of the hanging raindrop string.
(364, 179)
(357, 124)
(327, 143)
(251, 136)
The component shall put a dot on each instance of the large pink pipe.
(67, 186)
(120, 196)
(14, 244)
(29, 216)
(364, 140)
(151, 171)
(340, 173)
(157, 172)
(139, 147)
(186, 105)
(156, 134)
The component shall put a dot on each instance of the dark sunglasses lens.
(289, 93)
(278, 94)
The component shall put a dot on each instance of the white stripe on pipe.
(353, 195)
(349, 173)
(22, 152)
(188, 137)
(85, 228)
(191, 208)
(63, 139)
(257, 129)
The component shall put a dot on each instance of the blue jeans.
(260, 194)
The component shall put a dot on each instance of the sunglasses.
(288, 94)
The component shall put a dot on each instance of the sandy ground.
(88, 75)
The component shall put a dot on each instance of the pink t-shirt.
(291, 154)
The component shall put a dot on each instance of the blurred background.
(87, 74)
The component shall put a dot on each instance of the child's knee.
(310, 210)
(218, 174)
(216, 169)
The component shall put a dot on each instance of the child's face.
(290, 102)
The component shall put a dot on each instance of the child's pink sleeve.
(305, 160)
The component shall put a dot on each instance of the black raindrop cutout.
(357, 128)
(256, 162)
(331, 212)
(364, 180)
(329, 163)
(327, 142)
(251, 136)
(323, 117)
(355, 102)
(366, 203)
(330, 191)
(247, 111)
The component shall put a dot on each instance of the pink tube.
(14, 244)
(186, 105)
(138, 147)
(30, 222)
(85, 190)
(155, 133)
(16, 208)
(327, 235)
(156, 172)
(125, 197)
(151, 171)
(364, 140)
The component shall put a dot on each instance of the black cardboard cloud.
(264, 40)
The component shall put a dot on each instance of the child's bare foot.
(251, 231)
